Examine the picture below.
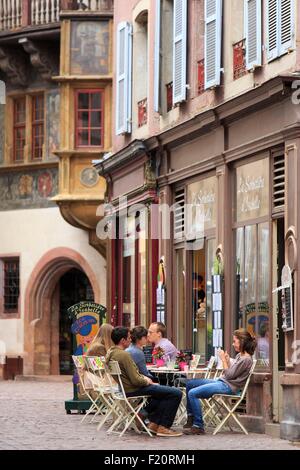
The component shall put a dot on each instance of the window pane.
(11, 285)
(180, 304)
(240, 277)
(198, 301)
(96, 102)
(83, 119)
(128, 273)
(96, 137)
(83, 137)
(96, 119)
(211, 254)
(250, 279)
(263, 292)
(83, 100)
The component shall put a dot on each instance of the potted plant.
(157, 355)
(181, 360)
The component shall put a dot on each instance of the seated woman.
(102, 341)
(233, 379)
(138, 341)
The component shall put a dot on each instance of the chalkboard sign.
(148, 354)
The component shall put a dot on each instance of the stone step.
(44, 378)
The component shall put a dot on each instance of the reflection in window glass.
(181, 307)
(263, 292)
(211, 253)
(250, 278)
(128, 273)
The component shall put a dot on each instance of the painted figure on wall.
(90, 47)
(53, 120)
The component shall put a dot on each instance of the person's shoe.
(189, 422)
(153, 427)
(194, 431)
(166, 432)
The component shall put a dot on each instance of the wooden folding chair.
(126, 408)
(225, 406)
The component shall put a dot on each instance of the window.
(19, 128)
(280, 27)
(213, 42)
(11, 285)
(124, 79)
(89, 118)
(37, 127)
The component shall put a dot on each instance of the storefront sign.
(252, 190)
(201, 209)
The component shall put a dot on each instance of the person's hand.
(150, 382)
(222, 355)
(227, 357)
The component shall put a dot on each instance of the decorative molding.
(13, 63)
(290, 239)
(41, 58)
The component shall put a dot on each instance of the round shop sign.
(89, 177)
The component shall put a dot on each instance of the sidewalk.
(32, 416)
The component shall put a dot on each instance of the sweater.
(237, 374)
(131, 378)
(139, 358)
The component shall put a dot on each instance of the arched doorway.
(74, 286)
(42, 308)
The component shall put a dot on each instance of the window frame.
(35, 123)
(89, 91)
(17, 126)
(16, 314)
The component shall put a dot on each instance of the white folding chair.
(225, 406)
(126, 408)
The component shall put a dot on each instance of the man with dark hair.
(164, 401)
(157, 333)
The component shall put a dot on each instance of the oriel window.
(11, 285)
(19, 128)
(37, 127)
(89, 118)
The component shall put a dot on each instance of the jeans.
(163, 404)
(202, 388)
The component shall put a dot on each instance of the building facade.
(206, 113)
(55, 60)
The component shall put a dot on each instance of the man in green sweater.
(164, 400)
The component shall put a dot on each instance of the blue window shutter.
(253, 33)
(213, 42)
(124, 78)
(287, 33)
(273, 29)
(179, 50)
(157, 62)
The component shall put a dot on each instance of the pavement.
(32, 416)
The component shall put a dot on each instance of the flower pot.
(182, 365)
(160, 362)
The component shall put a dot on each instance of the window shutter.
(278, 183)
(179, 215)
(213, 41)
(253, 33)
(157, 57)
(179, 50)
(286, 38)
(123, 79)
(273, 29)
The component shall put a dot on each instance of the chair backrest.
(195, 362)
(244, 391)
(113, 369)
(95, 363)
(78, 362)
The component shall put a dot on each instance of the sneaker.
(194, 431)
(153, 427)
(166, 432)
(189, 422)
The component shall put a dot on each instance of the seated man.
(235, 376)
(164, 400)
(157, 334)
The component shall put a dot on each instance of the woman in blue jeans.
(236, 372)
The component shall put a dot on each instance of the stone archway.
(39, 295)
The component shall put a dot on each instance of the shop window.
(11, 285)
(89, 118)
(19, 125)
(37, 127)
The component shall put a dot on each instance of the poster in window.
(201, 207)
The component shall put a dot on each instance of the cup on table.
(170, 364)
(186, 368)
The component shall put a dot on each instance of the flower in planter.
(181, 357)
(158, 353)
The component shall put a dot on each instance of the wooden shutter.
(253, 33)
(278, 183)
(286, 38)
(179, 50)
(213, 42)
(124, 78)
(157, 62)
(273, 29)
(179, 215)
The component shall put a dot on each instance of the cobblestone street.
(32, 416)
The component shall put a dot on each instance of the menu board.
(217, 309)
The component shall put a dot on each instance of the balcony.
(17, 14)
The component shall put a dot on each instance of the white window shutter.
(213, 42)
(157, 63)
(179, 50)
(124, 78)
(286, 39)
(253, 33)
(273, 29)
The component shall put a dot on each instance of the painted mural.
(2, 111)
(53, 119)
(28, 189)
(90, 48)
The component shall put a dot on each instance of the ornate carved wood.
(43, 59)
(13, 64)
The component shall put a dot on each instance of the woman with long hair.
(102, 341)
(235, 375)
